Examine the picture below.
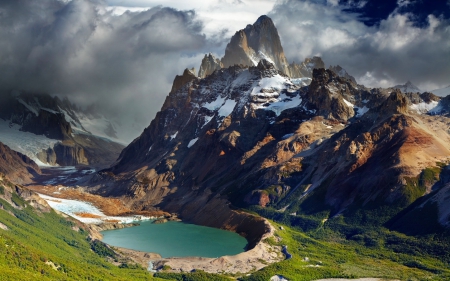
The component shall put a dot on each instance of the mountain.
(408, 87)
(209, 64)
(52, 131)
(341, 72)
(305, 69)
(255, 42)
(16, 166)
(248, 136)
(252, 136)
(442, 92)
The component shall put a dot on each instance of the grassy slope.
(34, 238)
(335, 248)
(330, 254)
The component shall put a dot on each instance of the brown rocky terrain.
(343, 145)
(16, 166)
(209, 65)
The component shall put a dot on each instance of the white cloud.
(390, 53)
(216, 15)
(78, 49)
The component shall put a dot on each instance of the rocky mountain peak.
(396, 103)
(342, 72)
(408, 87)
(180, 81)
(305, 69)
(209, 64)
(327, 94)
(265, 64)
(258, 41)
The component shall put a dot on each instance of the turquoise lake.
(177, 239)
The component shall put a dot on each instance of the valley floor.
(318, 254)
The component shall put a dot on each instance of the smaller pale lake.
(177, 239)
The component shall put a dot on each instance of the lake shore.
(261, 255)
(256, 258)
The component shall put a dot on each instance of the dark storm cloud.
(78, 49)
(396, 49)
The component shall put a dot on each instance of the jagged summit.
(342, 72)
(209, 64)
(258, 41)
(408, 87)
(179, 81)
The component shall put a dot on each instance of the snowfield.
(74, 207)
(425, 107)
(268, 97)
(24, 142)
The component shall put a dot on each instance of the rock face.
(209, 65)
(60, 137)
(408, 87)
(254, 43)
(305, 69)
(341, 72)
(180, 81)
(16, 166)
(258, 41)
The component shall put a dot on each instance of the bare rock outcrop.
(209, 64)
(16, 166)
(258, 41)
(305, 69)
(180, 81)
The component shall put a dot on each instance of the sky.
(124, 54)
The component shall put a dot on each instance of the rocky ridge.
(54, 131)
(209, 64)
(16, 166)
(250, 135)
(256, 42)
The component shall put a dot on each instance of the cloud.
(79, 49)
(385, 54)
(216, 15)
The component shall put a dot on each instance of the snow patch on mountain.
(302, 82)
(192, 142)
(215, 104)
(276, 82)
(269, 94)
(349, 104)
(243, 78)
(227, 108)
(360, 111)
(280, 104)
(424, 107)
(174, 135)
(207, 120)
(29, 107)
(26, 143)
(75, 208)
